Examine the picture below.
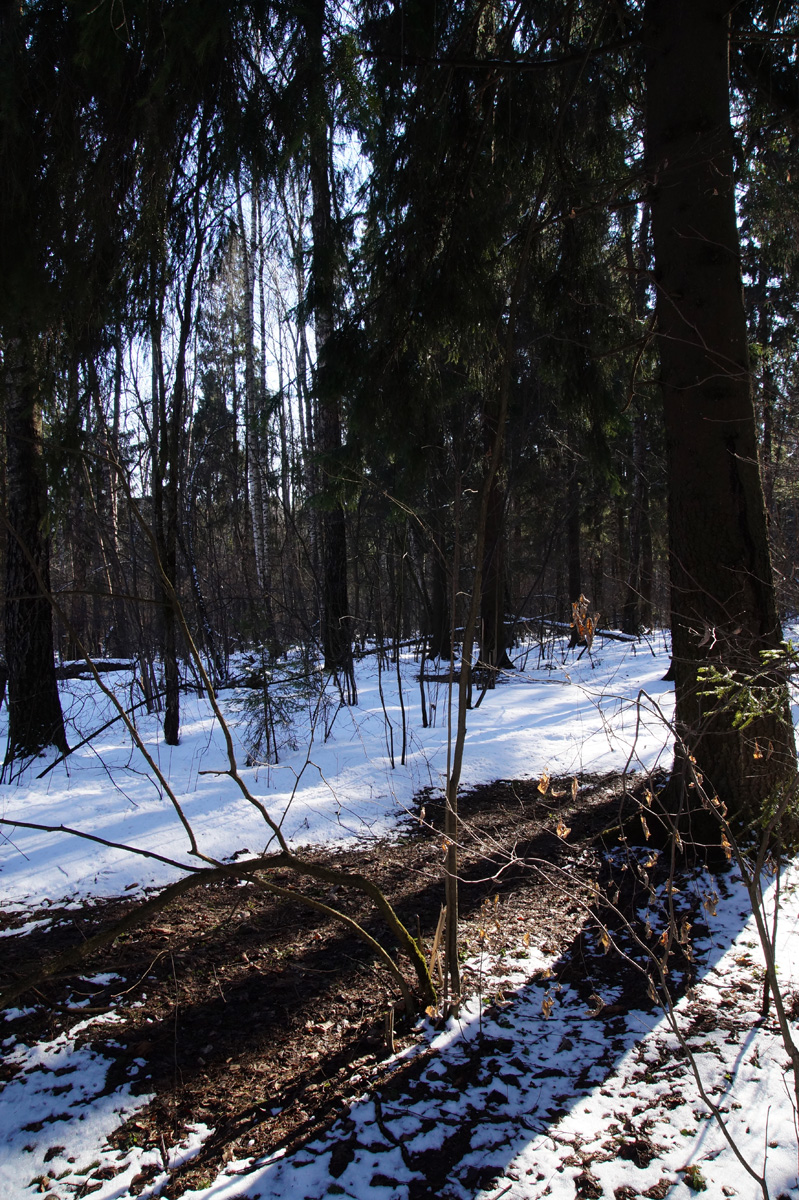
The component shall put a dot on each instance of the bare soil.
(261, 1017)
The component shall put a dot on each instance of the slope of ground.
(238, 1046)
(242, 1031)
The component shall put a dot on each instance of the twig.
(90, 737)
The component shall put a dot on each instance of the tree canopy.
(366, 310)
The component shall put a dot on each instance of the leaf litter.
(235, 1046)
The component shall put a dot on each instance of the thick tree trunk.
(35, 720)
(723, 602)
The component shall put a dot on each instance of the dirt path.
(260, 1018)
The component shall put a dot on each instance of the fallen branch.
(246, 869)
(95, 733)
(215, 870)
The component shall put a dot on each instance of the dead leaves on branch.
(561, 829)
(583, 621)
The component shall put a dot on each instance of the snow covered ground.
(574, 1103)
(569, 1100)
(565, 717)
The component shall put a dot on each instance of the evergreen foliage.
(297, 278)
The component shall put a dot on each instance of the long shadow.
(255, 992)
(448, 1125)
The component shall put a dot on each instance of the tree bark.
(165, 522)
(764, 333)
(722, 593)
(35, 720)
(639, 503)
(573, 523)
(573, 535)
(637, 608)
(257, 488)
(493, 629)
(336, 620)
(440, 635)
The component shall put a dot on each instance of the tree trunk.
(573, 514)
(165, 514)
(722, 593)
(35, 720)
(125, 631)
(631, 619)
(255, 474)
(440, 635)
(764, 332)
(493, 629)
(336, 620)
(573, 539)
(254, 398)
(637, 608)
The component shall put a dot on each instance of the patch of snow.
(557, 715)
(56, 1116)
(559, 1090)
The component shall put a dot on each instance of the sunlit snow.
(561, 1085)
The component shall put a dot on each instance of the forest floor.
(251, 1028)
(259, 1017)
(235, 1047)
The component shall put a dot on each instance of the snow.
(536, 1065)
(565, 717)
(54, 1114)
(565, 1098)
